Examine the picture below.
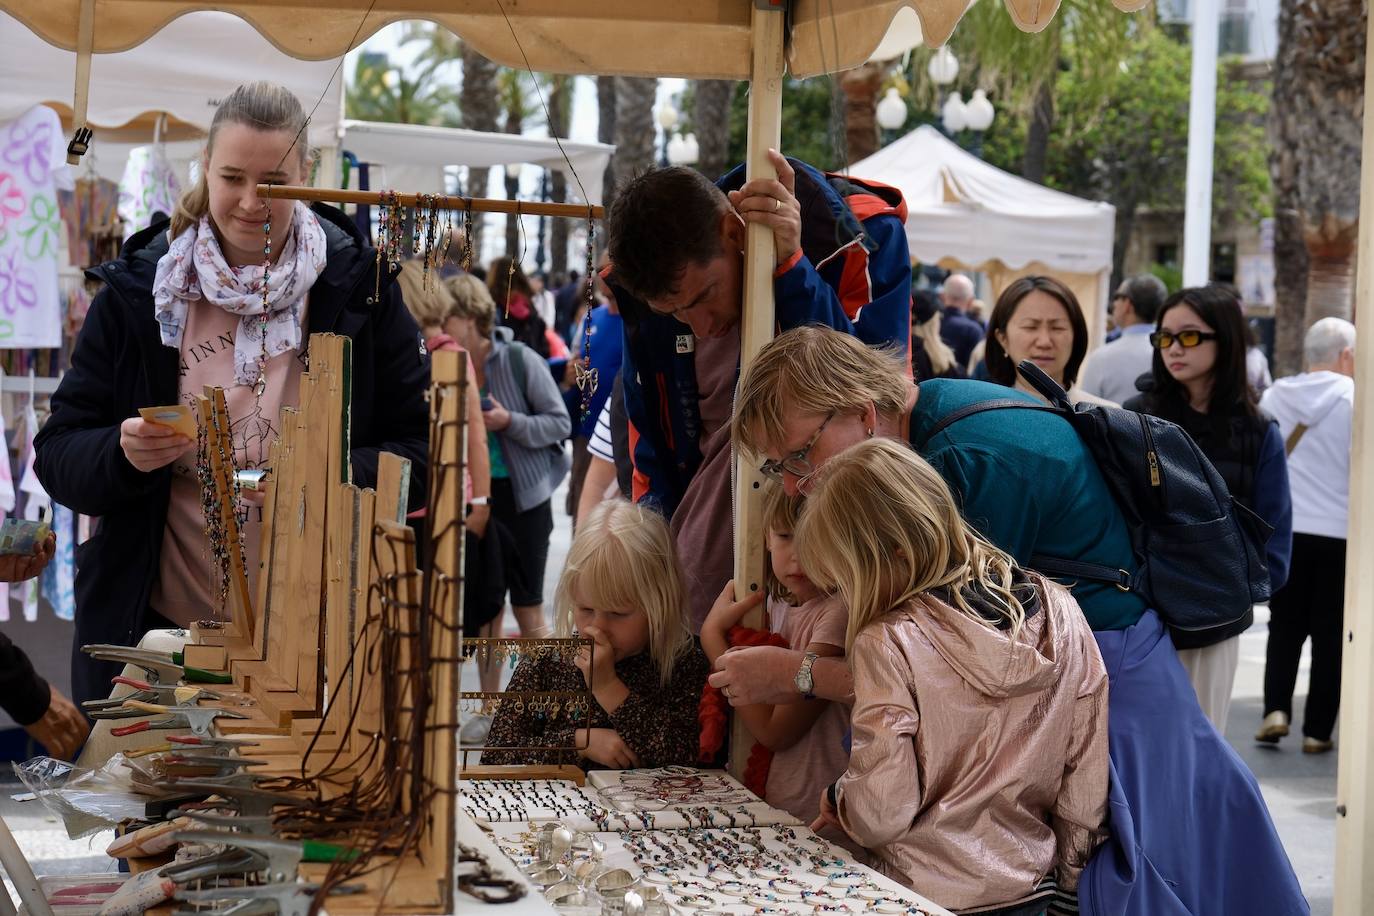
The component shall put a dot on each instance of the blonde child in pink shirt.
(806, 738)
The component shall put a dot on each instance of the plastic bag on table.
(87, 801)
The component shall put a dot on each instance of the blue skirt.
(1190, 833)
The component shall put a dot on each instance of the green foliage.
(1124, 139)
(1169, 275)
(380, 91)
(812, 130)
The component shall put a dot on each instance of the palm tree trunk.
(1327, 54)
(860, 87)
(605, 133)
(478, 103)
(560, 118)
(1290, 251)
(634, 126)
(711, 121)
(1038, 134)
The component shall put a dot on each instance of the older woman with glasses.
(1198, 380)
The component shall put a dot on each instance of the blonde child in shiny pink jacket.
(978, 772)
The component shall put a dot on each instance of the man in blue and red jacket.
(677, 256)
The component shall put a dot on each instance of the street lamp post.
(667, 119)
(978, 115)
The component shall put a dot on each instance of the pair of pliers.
(222, 747)
(285, 898)
(165, 668)
(280, 858)
(147, 692)
(196, 718)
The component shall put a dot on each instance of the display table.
(671, 832)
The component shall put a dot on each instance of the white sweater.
(1319, 468)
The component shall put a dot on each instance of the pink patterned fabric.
(194, 268)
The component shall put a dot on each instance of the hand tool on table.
(279, 858)
(162, 667)
(196, 718)
(287, 898)
(166, 694)
(248, 800)
(220, 746)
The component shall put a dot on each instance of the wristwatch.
(805, 684)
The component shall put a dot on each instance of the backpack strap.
(1054, 567)
(968, 410)
(516, 355)
(1294, 438)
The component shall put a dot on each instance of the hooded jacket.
(979, 762)
(853, 274)
(120, 364)
(1319, 466)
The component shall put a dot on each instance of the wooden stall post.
(1354, 792)
(756, 323)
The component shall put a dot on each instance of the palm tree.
(1290, 253)
(1321, 56)
(513, 87)
(560, 121)
(711, 123)
(382, 92)
(605, 133)
(634, 125)
(480, 105)
(860, 87)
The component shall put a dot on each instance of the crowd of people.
(1004, 742)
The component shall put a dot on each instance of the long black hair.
(1219, 308)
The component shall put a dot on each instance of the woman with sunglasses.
(1198, 380)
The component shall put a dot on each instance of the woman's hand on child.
(150, 446)
(606, 747)
(828, 816)
(727, 612)
(598, 668)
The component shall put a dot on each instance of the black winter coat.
(119, 364)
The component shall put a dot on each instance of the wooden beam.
(444, 202)
(757, 320)
(1354, 775)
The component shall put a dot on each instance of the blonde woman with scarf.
(184, 307)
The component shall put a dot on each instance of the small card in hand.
(21, 536)
(176, 416)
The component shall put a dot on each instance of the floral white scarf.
(194, 268)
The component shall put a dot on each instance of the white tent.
(183, 71)
(425, 151)
(967, 214)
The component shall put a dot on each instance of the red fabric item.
(712, 715)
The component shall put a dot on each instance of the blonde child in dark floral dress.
(622, 586)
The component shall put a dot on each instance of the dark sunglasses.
(1163, 340)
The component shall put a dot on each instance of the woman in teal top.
(1190, 830)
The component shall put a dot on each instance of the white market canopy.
(415, 146)
(184, 70)
(964, 212)
(689, 38)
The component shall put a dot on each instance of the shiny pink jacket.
(979, 763)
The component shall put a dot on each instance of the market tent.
(705, 38)
(182, 71)
(970, 215)
(424, 151)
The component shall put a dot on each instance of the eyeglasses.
(796, 463)
(1163, 340)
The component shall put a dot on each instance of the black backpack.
(1200, 560)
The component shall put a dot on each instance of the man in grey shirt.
(1111, 369)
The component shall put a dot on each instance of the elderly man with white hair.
(957, 329)
(1314, 413)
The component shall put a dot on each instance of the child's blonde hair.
(261, 106)
(882, 527)
(780, 514)
(623, 557)
(426, 297)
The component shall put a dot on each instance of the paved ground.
(1300, 789)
